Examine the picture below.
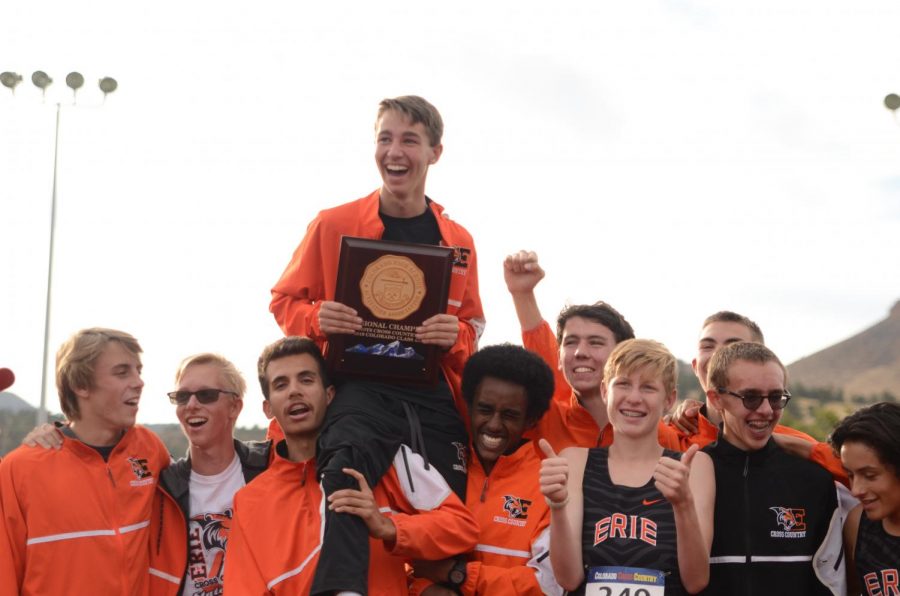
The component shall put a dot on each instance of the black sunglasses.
(204, 396)
(753, 399)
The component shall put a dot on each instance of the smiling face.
(298, 398)
(749, 430)
(206, 425)
(403, 154)
(498, 419)
(635, 402)
(110, 405)
(583, 351)
(875, 484)
(712, 337)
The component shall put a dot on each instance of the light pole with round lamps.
(41, 80)
(892, 102)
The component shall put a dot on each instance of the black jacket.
(773, 512)
(175, 481)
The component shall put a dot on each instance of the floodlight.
(891, 102)
(10, 80)
(74, 80)
(108, 85)
(41, 80)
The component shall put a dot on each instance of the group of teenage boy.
(504, 477)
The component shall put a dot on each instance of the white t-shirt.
(212, 502)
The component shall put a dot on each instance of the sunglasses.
(204, 396)
(753, 399)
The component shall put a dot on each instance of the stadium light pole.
(892, 102)
(40, 79)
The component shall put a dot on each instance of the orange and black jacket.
(171, 509)
(567, 423)
(512, 556)
(773, 515)
(311, 276)
(279, 518)
(72, 523)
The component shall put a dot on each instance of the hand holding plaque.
(399, 291)
(440, 330)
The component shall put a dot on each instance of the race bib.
(625, 581)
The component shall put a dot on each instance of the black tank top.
(877, 556)
(627, 526)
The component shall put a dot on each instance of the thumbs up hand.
(672, 477)
(554, 477)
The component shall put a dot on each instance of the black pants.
(364, 427)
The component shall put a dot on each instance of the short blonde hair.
(233, 377)
(634, 355)
(75, 362)
(726, 356)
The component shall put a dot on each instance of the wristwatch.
(457, 576)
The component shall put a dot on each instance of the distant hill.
(866, 364)
(10, 402)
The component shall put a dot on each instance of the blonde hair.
(647, 355)
(233, 377)
(75, 362)
(726, 356)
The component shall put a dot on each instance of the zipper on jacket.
(110, 474)
(484, 490)
(748, 525)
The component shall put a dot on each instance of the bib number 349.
(625, 581)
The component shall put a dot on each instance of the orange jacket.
(512, 556)
(311, 276)
(71, 523)
(278, 522)
(567, 423)
(822, 453)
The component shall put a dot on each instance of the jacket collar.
(253, 455)
(369, 218)
(728, 451)
(506, 464)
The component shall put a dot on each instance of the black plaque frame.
(357, 254)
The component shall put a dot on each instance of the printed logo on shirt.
(887, 586)
(207, 539)
(630, 527)
(516, 511)
(461, 456)
(791, 522)
(141, 471)
(517, 507)
(461, 257)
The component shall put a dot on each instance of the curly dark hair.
(515, 365)
(877, 427)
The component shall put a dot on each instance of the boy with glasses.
(698, 423)
(193, 507)
(776, 527)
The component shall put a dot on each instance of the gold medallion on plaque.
(392, 287)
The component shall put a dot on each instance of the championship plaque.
(394, 287)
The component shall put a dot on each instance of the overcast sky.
(671, 158)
